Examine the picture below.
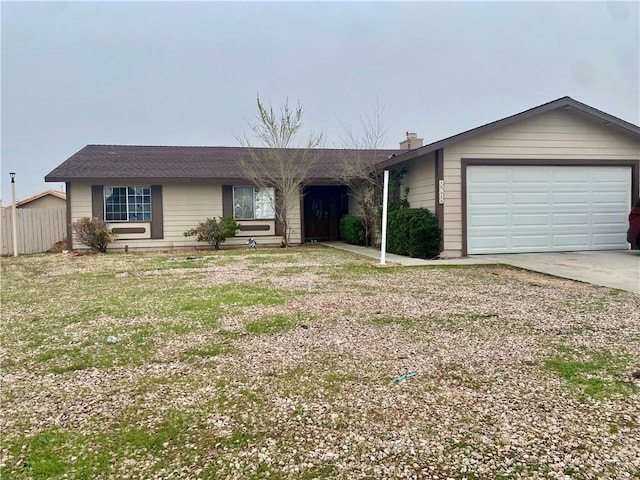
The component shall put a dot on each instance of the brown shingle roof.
(181, 164)
(184, 164)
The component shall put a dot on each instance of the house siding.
(421, 182)
(80, 201)
(186, 205)
(183, 207)
(556, 135)
(80, 194)
(295, 222)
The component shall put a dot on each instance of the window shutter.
(97, 201)
(157, 220)
(69, 217)
(227, 201)
(279, 225)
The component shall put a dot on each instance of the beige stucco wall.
(559, 135)
(184, 206)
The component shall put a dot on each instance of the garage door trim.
(467, 162)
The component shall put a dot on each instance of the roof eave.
(154, 180)
(163, 180)
(606, 118)
(564, 102)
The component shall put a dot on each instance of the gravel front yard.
(291, 364)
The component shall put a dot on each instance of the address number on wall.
(441, 192)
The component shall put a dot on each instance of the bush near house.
(214, 232)
(352, 230)
(414, 232)
(94, 233)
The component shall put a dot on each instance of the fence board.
(38, 229)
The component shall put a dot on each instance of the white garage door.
(512, 209)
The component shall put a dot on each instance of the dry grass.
(280, 364)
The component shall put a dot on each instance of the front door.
(323, 208)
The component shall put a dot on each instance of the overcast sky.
(178, 73)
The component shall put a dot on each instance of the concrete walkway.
(406, 261)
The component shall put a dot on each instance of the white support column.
(385, 205)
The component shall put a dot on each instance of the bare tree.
(360, 172)
(280, 163)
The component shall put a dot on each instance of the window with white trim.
(127, 204)
(253, 203)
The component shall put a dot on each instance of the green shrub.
(413, 232)
(214, 232)
(94, 233)
(352, 230)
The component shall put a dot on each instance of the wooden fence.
(38, 229)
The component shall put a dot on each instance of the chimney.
(411, 142)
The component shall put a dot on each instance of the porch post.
(13, 214)
(385, 202)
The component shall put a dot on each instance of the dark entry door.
(323, 208)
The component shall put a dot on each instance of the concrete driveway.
(610, 268)
(613, 268)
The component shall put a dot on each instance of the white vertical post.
(385, 204)
(13, 214)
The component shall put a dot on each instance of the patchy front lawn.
(281, 364)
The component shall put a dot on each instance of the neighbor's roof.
(55, 193)
(180, 164)
(560, 103)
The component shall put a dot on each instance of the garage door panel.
(615, 199)
(530, 220)
(530, 177)
(570, 219)
(530, 198)
(607, 240)
(609, 175)
(568, 175)
(569, 197)
(573, 241)
(538, 209)
(488, 198)
(493, 243)
(617, 220)
(492, 175)
(524, 241)
(480, 221)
